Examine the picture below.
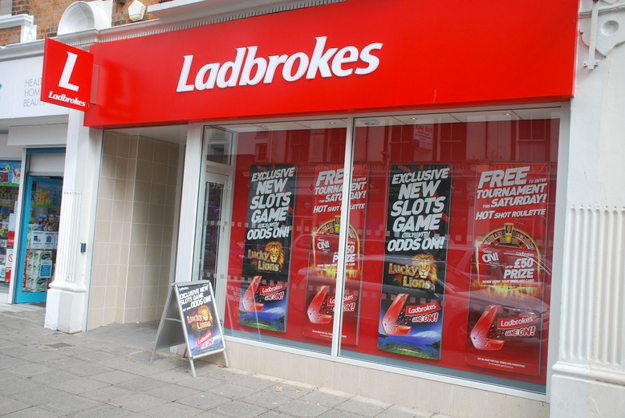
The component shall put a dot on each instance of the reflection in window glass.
(284, 239)
(448, 244)
(456, 272)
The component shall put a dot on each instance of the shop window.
(447, 257)
(459, 282)
(10, 179)
(272, 232)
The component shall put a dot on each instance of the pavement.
(107, 373)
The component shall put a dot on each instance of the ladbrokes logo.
(248, 69)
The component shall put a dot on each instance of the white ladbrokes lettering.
(247, 69)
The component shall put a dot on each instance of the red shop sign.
(67, 73)
(358, 55)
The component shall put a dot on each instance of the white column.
(589, 375)
(66, 307)
(193, 166)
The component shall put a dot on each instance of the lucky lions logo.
(202, 319)
(207, 317)
(420, 274)
(271, 258)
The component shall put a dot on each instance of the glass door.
(213, 261)
(39, 237)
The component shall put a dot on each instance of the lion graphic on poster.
(207, 316)
(276, 254)
(426, 266)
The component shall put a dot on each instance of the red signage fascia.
(348, 57)
(67, 74)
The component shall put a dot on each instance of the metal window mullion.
(344, 225)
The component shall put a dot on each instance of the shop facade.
(454, 181)
(31, 175)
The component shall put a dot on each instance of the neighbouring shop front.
(401, 158)
(32, 158)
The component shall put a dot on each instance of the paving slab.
(34, 412)
(237, 409)
(8, 405)
(299, 408)
(254, 382)
(337, 413)
(363, 406)
(70, 403)
(171, 392)
(79, 385)
(108, 394)
(202, 383)
(105, 411)
(53, 375)
(114, 377)
(204, 400)
(29, 370)
(274, 414)
(33, 394)
(84, 368)
(138, 402)
(233, 391)
(268, 399)
(172, 409)
(141, 384)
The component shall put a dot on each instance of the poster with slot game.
(411, 314)
(267, 252)
(507, 284)
(323, 257)
(197, 304)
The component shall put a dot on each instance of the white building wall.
(589, 375)
(8, 152)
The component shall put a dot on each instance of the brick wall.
(9, 36)
(21, 7)
(47, 14)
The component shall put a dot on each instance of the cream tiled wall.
(134, 230)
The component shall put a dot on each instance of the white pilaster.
(589, 375)
(66, 307)
(189, 204)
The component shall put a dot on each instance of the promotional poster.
(507, 286)
(267, 252)
(200, 319)
(411, 315)
(323, 258)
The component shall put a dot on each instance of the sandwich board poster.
(323, 257)
(190, 318)
(507, 287)
(197, 304)
(411, 314)
(267, 251)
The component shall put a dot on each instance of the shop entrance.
(215, 236)
(37, 249)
